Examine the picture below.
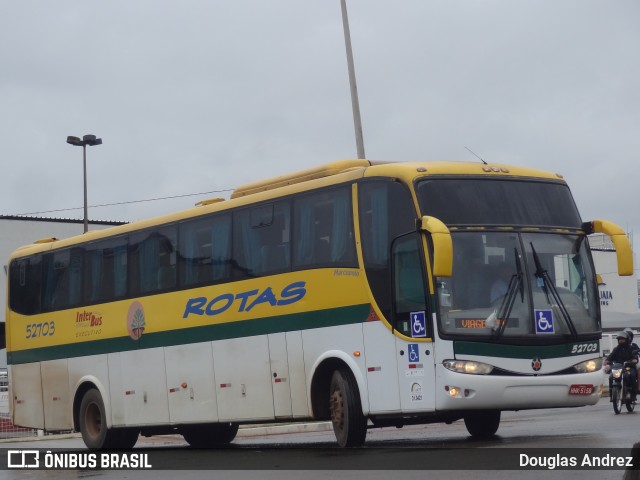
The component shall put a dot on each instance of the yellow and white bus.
(371, 294)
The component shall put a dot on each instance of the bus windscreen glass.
(473, 201)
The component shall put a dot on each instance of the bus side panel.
(56, 395)
(26, 395)
(295, 355)
(138, 387)
(191, 383)
(95, 369)
(280, 375)
(416, 375)
(339, 343)
(243, 379)
(382, 372)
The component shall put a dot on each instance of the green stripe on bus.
(526, 351)
(261, 326)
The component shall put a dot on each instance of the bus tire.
(93, 423)
(209, 436)
(349, 424)
(226, 432)
(483, 424)
(126, 438)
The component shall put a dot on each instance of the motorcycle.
(622, 386)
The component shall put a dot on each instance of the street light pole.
(84, 174)
(89, 140)
(355, 104)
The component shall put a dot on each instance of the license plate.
(581, 389)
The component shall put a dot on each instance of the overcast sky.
(197, 96)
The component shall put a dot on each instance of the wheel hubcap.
(337, 409)
(93, 420)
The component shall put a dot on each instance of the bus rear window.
(474, 201)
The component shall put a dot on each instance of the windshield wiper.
(519, 273)
(515, 285)
(548, 286)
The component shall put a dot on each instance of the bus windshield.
(468, 201)
(508, 284)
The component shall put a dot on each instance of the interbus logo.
(23, 459)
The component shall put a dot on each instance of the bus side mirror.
(620, 242)
(442, 245)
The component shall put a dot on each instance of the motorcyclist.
(636, 349)
(629, 332)
(623, 352)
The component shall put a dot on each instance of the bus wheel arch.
(90, 419)
(335, 396)
(81, 390)
(320, 385)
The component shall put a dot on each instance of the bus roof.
(405, 170)
(324, 175)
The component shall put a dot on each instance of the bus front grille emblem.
(536, 364)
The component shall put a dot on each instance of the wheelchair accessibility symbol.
(418, 324)
(414, 353)
(544, 321)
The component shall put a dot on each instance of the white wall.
(618, 295)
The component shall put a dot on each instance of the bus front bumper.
(457, 391)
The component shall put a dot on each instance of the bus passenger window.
(262, 240)
(386, 211)
(153, 260)
(106, 270)
(323, 230)
(55, 280)
(25, 285)
(205, 250)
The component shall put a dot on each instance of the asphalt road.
(407, 453)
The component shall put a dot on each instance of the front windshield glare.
(498, 290)
(564, 297)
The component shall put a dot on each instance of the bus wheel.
(482, 424)
(349, 424)
(209, 436)
(226, 432)
(126, 438)
(93, 423)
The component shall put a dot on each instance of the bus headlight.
(589, 366)
(466, 366)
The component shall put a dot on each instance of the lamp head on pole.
(89, 140)
(74, 141)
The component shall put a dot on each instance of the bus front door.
(411, 322)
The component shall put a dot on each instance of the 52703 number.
(44, 329)
(585, 348)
